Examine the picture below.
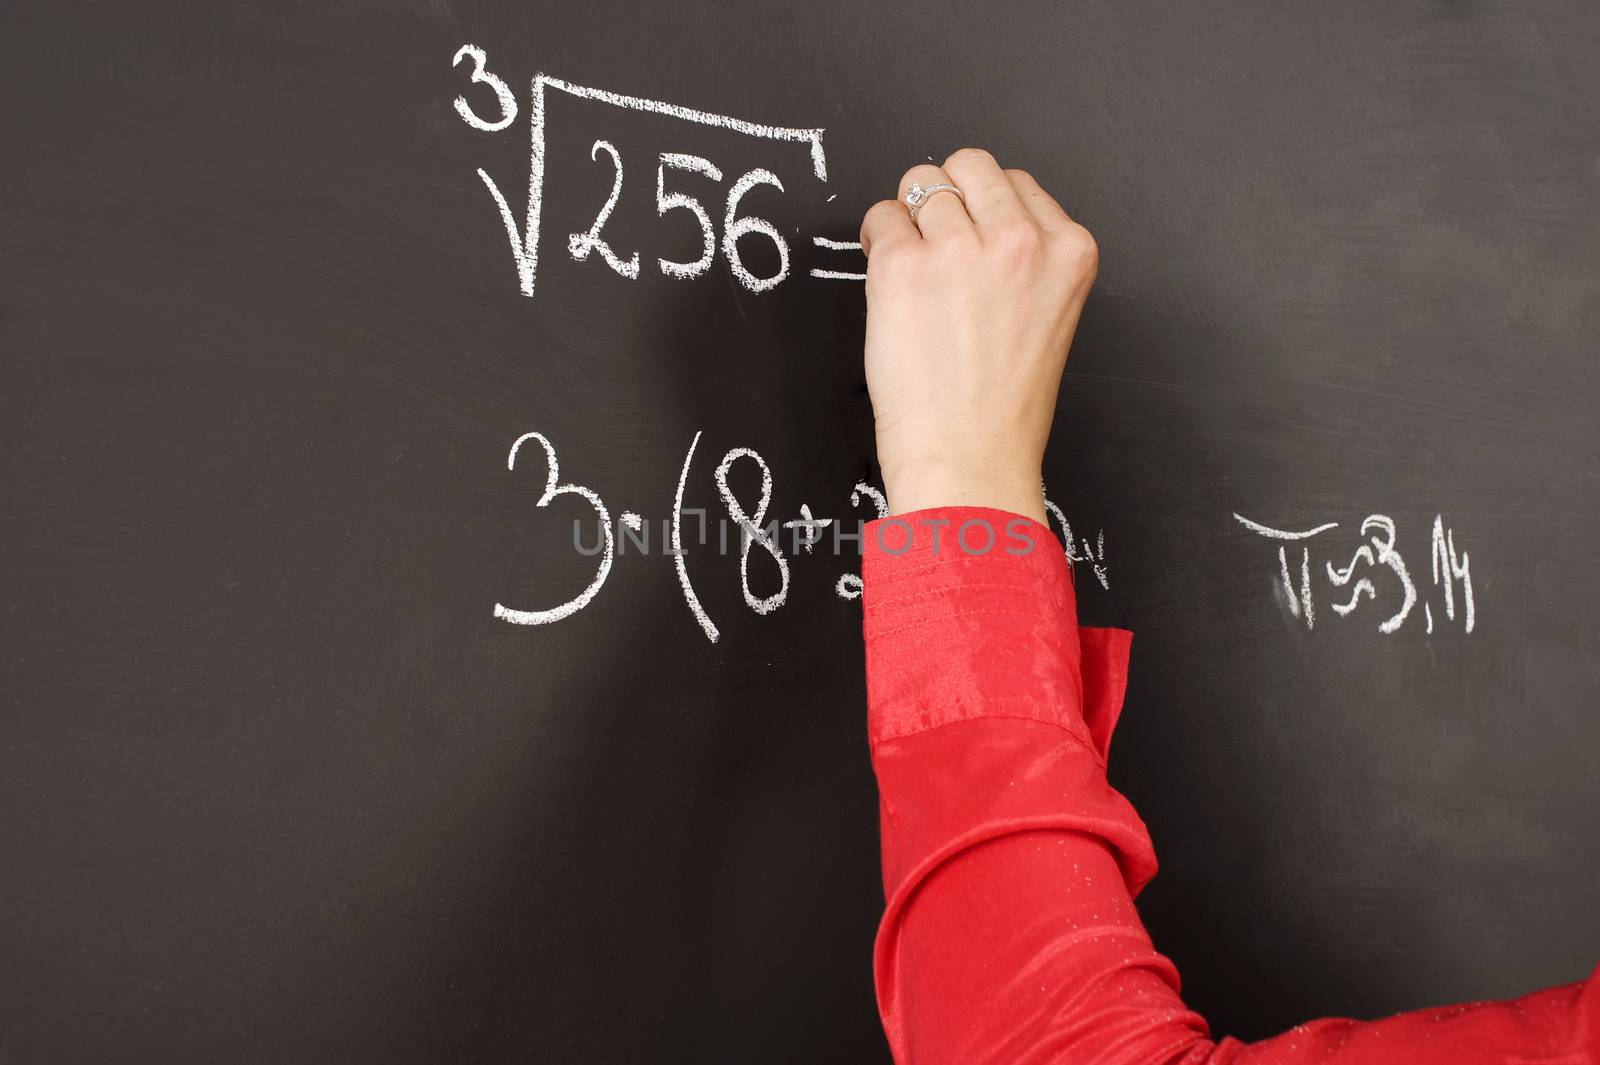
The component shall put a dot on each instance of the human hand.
(970, 311)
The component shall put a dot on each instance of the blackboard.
(277, 784)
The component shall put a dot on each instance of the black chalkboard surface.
(279, 783)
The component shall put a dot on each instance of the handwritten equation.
(679, 170)
(1375, 572)
(756, 532)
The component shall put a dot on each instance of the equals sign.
(838, 245)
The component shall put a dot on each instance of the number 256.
(581, 245)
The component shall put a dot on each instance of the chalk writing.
(666, 201)
(524, 236)
(1375, 573)
(551, 490)
(752, 529)
(502, 91)
(849, 585)
(1094, 554)
(581, 244)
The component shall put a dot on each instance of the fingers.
(942, 214)
(993, 204)
(1046, 213)
(992, 201)
(887, 222)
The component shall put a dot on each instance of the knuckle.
(1016, 174)
(1079, 245)
(877, 211)
(968, 156)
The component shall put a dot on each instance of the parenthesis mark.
(678, 558)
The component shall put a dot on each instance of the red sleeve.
(1010, 864)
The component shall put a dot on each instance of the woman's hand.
(970, 310)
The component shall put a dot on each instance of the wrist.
(928, 485)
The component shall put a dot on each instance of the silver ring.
(917, 195)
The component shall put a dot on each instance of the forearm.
(1009, 862)
(1012, 953)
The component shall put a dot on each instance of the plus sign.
(808, 529)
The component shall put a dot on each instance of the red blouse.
(1009, 863)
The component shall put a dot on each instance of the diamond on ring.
(917, 195)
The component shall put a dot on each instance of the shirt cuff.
(969, 612)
